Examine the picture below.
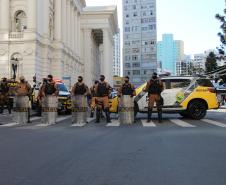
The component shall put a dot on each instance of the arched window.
(20, 21)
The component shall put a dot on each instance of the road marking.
(35, 118)
(90, 119)
(62, 119)
(181, 123)
(114, 123)
(9, 124)
(212, 122)
(78, 125)
(145, 124)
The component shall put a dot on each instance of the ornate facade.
(40, 37)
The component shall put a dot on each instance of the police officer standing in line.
(4, 96)
(23, 91)
(40, 97)
(49, 87)
(23, 88)
(93, 101)
(50, 101)
(126, 93)
(79, 91)
(154, 88)
(102, 90)
(80, 88)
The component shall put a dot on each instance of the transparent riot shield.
(49, 109)
(126, 110)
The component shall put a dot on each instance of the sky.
(192, 21)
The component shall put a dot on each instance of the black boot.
(160, 115)
(91, 114)
(1, 109)
(107, 115)
(29, 116)
(97, 116)
(149, 115)
(9, 108)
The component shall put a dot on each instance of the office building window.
(136, 72)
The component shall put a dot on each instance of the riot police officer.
(126, 110)
(50, 87)
(50, 101)
(93, 100)
(154, 88)
(79, 91)
(4, 96)
(102, 90)
(23, 91)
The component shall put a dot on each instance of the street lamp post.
(14, 67)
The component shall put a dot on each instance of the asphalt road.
(183, 152)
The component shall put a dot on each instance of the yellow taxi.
(188, 96)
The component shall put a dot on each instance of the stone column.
(76, 32)
(4, 16)
(58, 20)
(73, 31)
(31, 15)
(64, 20)
(68, 22)
(87, 57)
(108, 57)
(71, 26)
(79, 35)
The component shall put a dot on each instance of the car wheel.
(197, 110)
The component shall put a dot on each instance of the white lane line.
(145, 124)
(90, 119)
(62, 119)
(114, 123)
(35, 118)
(9, 124)
(78, 125)
(212, 122)
(181, 123)
(57, 121)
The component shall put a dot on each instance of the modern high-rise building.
(169, 52)
(139, 40)
(199, 62)
(117, 55)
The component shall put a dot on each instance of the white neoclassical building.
(60, 37)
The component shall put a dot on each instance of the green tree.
(211, 62)
(222, 35)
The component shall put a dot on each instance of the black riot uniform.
(4, 96)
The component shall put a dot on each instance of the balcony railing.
(16, 35)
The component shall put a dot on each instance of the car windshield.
(205, 82)
(62, 87)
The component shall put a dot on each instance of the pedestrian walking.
(154, 88)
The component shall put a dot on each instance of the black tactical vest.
(50, 88)
(4, 87)
(127, 89)
(154, 87)
(102, 90)
(80, 89)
